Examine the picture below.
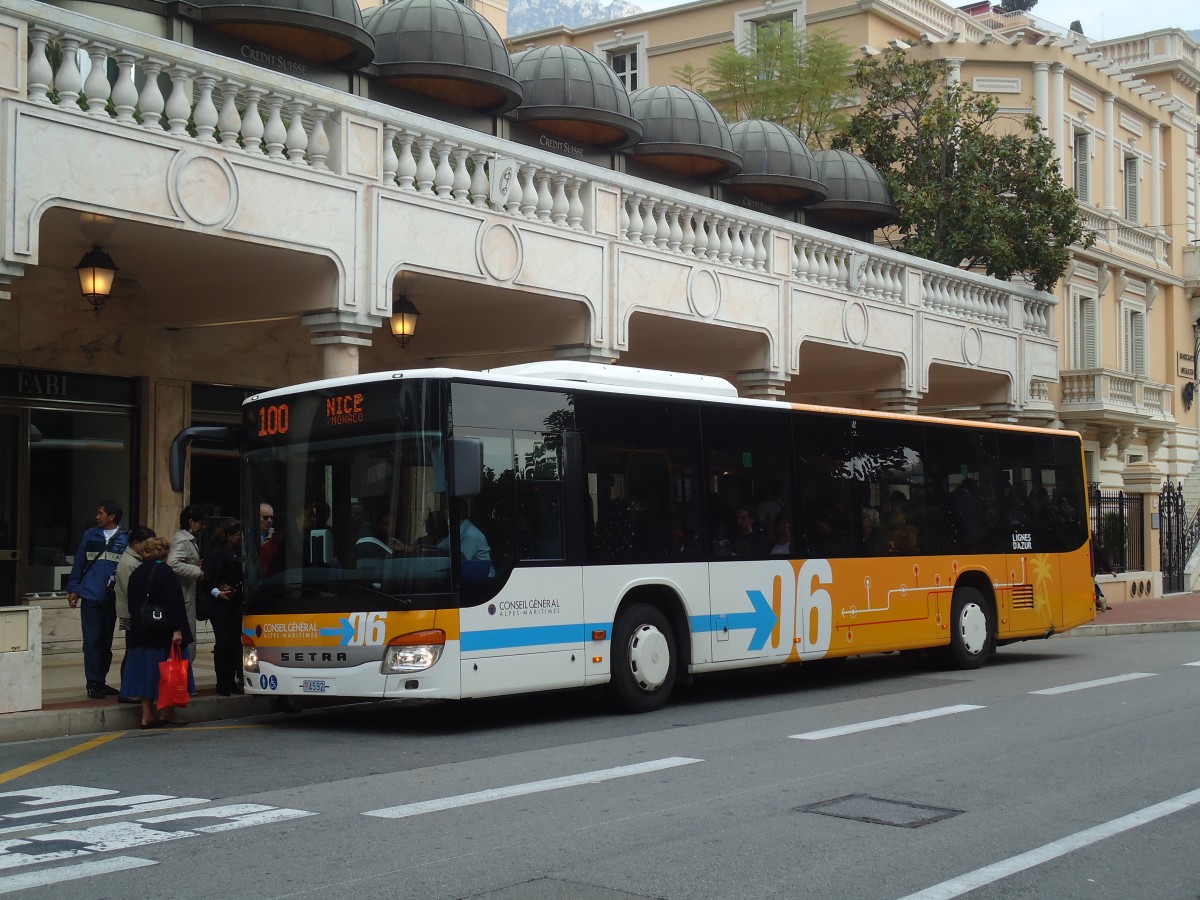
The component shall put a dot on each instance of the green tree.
(973, 189)
(1017, 5)
(794, 78)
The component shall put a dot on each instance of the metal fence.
(1177, 536)
(1117, 528)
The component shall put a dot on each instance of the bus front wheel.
(643, 659)
(972, 633)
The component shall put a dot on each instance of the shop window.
(76, 460)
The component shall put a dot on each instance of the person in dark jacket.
(91, 588)
(223, 582)
(154, 582)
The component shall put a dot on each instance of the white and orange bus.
(451, 534)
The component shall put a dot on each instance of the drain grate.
(878, 811)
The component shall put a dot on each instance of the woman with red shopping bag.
(158, 639)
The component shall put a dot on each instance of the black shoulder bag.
(154, 615)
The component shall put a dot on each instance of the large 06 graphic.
(779, 610)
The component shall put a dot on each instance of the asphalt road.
(1064, 769)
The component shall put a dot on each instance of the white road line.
(532, 787)
(956, 887)
(1099, 682)
(883, 723)
(1192, 664)
(11, 883)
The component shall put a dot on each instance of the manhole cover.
(879, 811)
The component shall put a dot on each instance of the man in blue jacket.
(92, 582)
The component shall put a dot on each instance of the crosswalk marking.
(532, 787)
(1099, 682)
(26, 880)
(883, 723)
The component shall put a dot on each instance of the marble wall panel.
(415, 235)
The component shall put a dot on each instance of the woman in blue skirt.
(154, 583)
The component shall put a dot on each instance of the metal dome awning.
(330, 32)
(777, 167)
(444, 50)
(683, 133)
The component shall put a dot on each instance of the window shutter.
(1082, 167)
(1087, 309)
(1139, 343)
(1131, 189)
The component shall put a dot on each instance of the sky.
(1100, 18)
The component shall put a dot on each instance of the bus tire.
(972, 631)
(643, 660)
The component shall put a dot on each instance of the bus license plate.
(316, 686)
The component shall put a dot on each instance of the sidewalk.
(65, 711)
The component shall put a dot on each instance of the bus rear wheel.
(643, 659)
(972, 632)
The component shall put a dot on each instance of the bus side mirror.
(466, 466)
(226, 435)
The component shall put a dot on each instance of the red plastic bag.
(173, 680)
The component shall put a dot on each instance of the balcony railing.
(191, 95)
(1119, 233)
(1105, 391)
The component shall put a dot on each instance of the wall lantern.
(404, 319)
(96, 273)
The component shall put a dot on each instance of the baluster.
(296, 139)
(650, 211)
(204, 116)
(734, 230)
(674, 231)
(179, 104)
(558, 204)
(406, 163)
(390, 159)
(575, 208)
(479, 179)
(274, 134)
(794, 260)
(760, 249)
(662, 231)
(544, 201)
(515, 194)
(252, 123)
(841, 269)
(687, 239)
(228, 119)
(443, 180)
(96, 87)
(318, 142)
(150, 100)
(623, 217)
(40, 75)
(461, 185)
(68, 81)
(726, 242)
(700, 246)
(823, 271)
(529, 194)
(747, 246)
(426, 171)
(124, 92)
(635, 219)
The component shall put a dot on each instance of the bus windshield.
(359, 511)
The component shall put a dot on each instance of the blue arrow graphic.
(762, 620)
(346, 631)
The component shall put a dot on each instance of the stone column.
(762, 385)
(1145, 479)
(167, 410)
(1041, 94)
(898, 400)
(954, 69)
(1110, 153)
(1056, 109)
(1156, 221)
(340, 334)
(587, 353)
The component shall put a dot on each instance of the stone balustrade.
(1120, 392)
(87, 70)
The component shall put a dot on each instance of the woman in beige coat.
(184, 560)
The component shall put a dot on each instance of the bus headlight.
(249, 657)
(414, 652)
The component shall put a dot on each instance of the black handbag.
(154, 615)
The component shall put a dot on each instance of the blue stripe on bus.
(531, 636)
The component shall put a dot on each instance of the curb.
(70, 721)
(1129, 628)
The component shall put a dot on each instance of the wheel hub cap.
(649, 657)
